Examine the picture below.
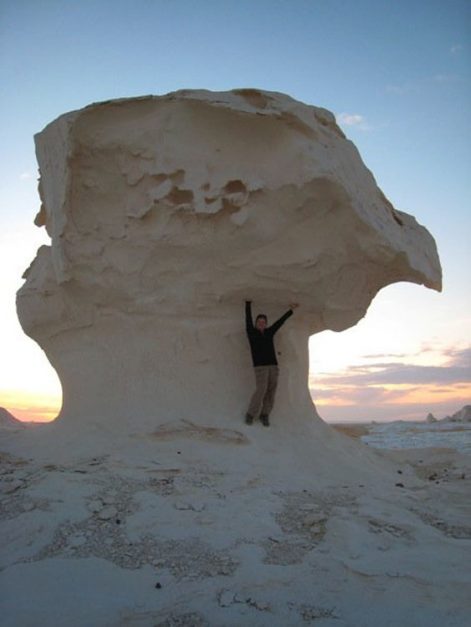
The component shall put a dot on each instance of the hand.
(294, 306)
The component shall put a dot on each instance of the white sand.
(397, 435)
(228, 544)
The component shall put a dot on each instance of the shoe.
(264, 420)
(248, 419)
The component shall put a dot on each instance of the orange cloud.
(392, 390)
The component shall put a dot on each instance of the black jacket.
(261, 343)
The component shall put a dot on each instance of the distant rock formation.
(166, 213)
(463, 415)
(8, 420)
(430, 418)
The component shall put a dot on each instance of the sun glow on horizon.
(30, 406)
(436, 381)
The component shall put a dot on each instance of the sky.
(397, 75)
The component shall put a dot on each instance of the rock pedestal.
(165, 214)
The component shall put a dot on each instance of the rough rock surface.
(164, 214)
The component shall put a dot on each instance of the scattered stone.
(76, 540)
(9, 487)
(107, 512)
(302, 533)
(226, 598)
(261, 606)
(383, 526)
(313, 519)
(190, 619)
(313, 612)
(316, 529)
(194, 507)
(447, 528)
(308, 507)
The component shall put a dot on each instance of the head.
(261, 322)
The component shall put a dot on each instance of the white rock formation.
(463, 415)
(165, 214)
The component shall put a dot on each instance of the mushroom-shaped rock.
(165, 214)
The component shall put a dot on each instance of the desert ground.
(155, 539)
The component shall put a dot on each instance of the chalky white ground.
(166, 534)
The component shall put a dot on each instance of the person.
(264, 361)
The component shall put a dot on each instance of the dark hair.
(261, 316)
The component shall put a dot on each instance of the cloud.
(399, 373)
(455, 370)
(442, 390)
(458, 357)
(353, 119)
(456, 48)
(424, 83)
(360, 395)
(446, 78)
(384, 355)
(24, 176)
(370, 390)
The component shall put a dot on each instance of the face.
(261, 324)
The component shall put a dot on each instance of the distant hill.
(8, 420)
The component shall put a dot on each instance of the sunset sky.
(396, 74)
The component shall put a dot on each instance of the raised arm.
(248, 316)
(276, 325)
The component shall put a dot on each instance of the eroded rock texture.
(165, 214)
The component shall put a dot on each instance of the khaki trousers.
(266, 380)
